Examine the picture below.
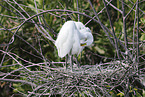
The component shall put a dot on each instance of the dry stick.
(17, 69)
(134, 43)
(38, 87)
(78, 10)
(44, 31)
(139, 8)
(137, 32)
(131, 10)
(113, 32)
(124, 28)
(9, 28)
(108, 3)
(10, 42)
(133, 25)
(13, 34)
(96, 15)
(128, 54)
(99, 21)
(12, 39)
(49, 37)
(19, 38)
(13, 17)
(18, 81)
(114, 6)
(10, 31)
(45, 23)
(105, 93)
(64, 14)
(10, 10)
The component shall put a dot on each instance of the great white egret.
(72, 38)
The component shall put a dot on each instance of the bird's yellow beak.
(83, 44)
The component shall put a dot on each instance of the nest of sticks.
(88, 80)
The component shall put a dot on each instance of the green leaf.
(120, 94)
(101, 51)
(142, 38)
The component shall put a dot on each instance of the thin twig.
(113, 32)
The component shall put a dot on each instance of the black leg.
(66, 59)
(77, 61)
(71, 62)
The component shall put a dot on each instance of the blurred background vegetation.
(31, 45)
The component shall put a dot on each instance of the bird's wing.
(64, 41)
(76, 41)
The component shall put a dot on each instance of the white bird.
(72, 38)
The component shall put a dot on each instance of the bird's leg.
(71, 62)
(66, 59)
(77, 61)
(78, 64)
(80, 58)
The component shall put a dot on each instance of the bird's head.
(79, 25)
(86, 37)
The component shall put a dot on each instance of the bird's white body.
(72, 38)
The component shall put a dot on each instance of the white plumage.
(72, 38)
